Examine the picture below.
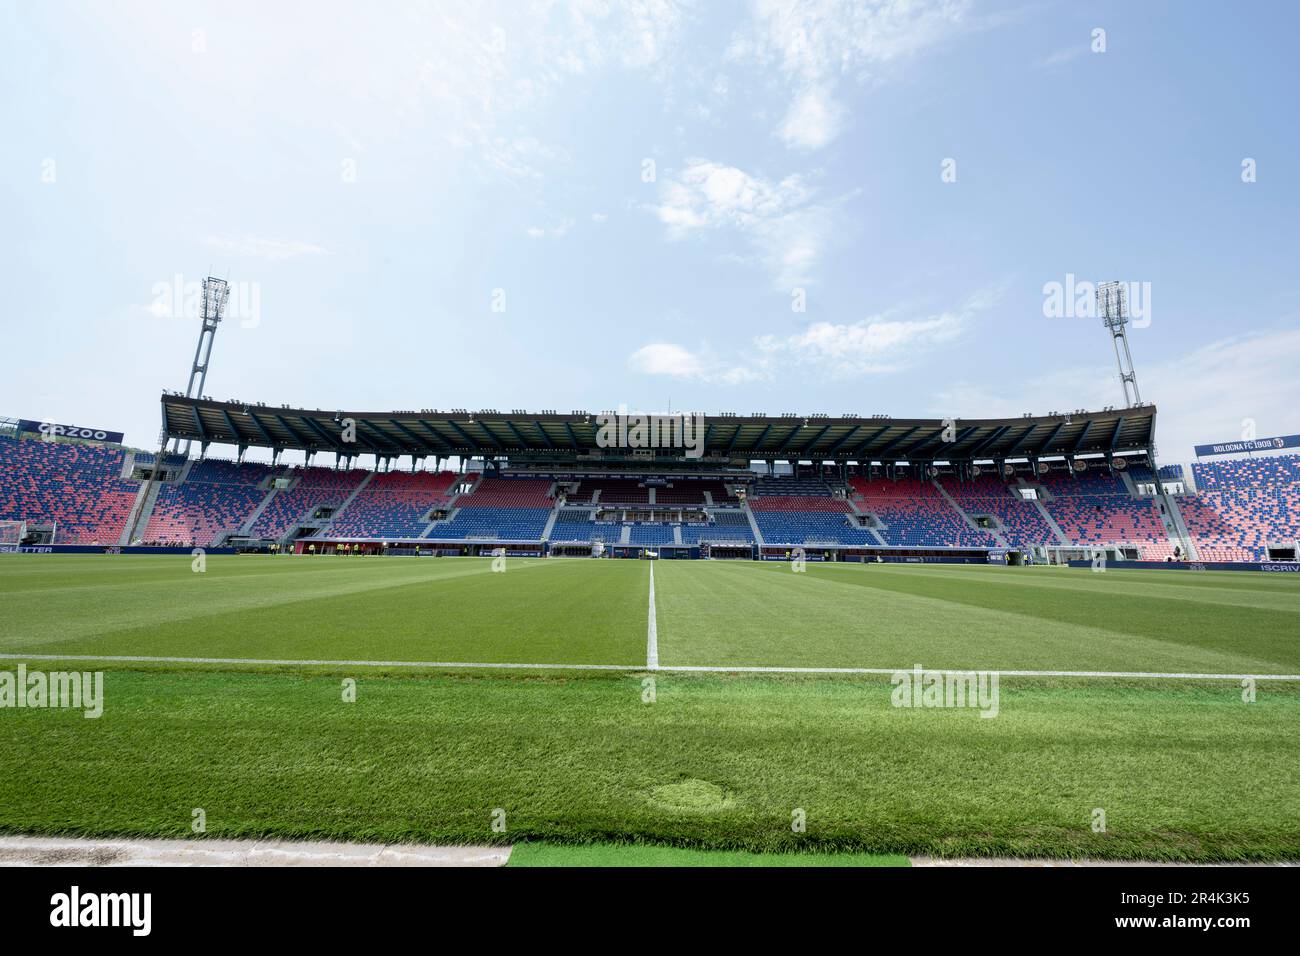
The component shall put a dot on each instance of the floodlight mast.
(1112, 306)
(215, 294)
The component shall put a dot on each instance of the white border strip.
(633, 668)
(652, 629)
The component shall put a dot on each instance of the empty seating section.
(506, 509)
(508, 493)
(1022, 524)
(216, 498)
(727, 534)
(578, 524)
(1213, 537)
(314, 488)
(803, 527)
(795, 511)
(623, 491)
(1096, 508)
(1244, 505)
(691, 493)
(915, 514)
(573, 524)
(651, 534)
(734, 519)
(805, 503)
(78, 488)
(394, 504)
(789, 485)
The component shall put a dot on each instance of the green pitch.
(1180, 769)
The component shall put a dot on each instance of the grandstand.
(1245, 506)
(76, 489)
(214, 500)
(1045, 488)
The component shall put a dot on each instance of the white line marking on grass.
(652, 629)
(631, 668)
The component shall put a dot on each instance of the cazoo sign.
(55, 430)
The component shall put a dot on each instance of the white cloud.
(477, 77)
(1064, 55)
(812, 121)
(261, 247)
(785, 229)
(1201, 395)
(558, 231)
(817, 44)
(676, 361)
(665, 358)
(599, 217)
(878, 344)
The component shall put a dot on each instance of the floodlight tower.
(1112, 306)
(215, 293)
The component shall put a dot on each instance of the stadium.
(655, 435)
(581, 589)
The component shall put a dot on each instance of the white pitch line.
(633, 668)
(141, 659)
(652, 629)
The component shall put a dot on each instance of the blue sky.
(585, 205)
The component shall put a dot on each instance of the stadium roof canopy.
(492, 434)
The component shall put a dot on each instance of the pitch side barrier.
(102, 549)
(1270, 566)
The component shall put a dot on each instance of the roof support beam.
(734, 436)
(1051, 438)
(806, 448)
(329, 439)
(962, 435)
(1114, 436)
(848, 436)
(901, 438)
(991, 439)
(433, 433)
(542, 431)
(465, 437)
(491, 435)
(523, 442)
(1015, 447)
(385, 443)
(788, 438)
(907, 452)
(293, 432)
(424, 442)
(230, 423)
(262, 430)
(1078, 442)
(857, 452)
